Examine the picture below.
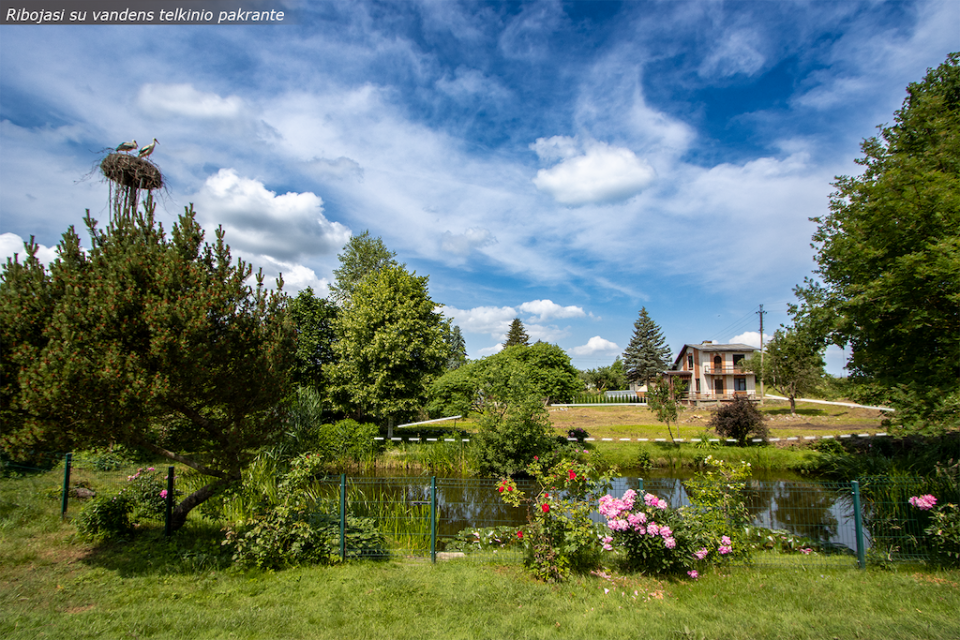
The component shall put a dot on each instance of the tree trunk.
(178, 516)
(793, 406)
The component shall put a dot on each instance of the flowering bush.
(104, 517)
(943, 530)
(560, 537)
(657, 539)
(579, 433)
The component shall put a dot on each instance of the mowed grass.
(53, 585)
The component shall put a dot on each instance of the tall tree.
(888, 253)
(146, 341)
(647, 355)
(389, 347)
(792, 364)
(516, 335)
(361, 256)
(314, 320)
(457, 348)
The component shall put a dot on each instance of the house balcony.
(710, 369)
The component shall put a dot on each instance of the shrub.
(105, 517)
(560, 537)
(579, 433)
(510, 438)
(147, 495)
(943, 531)
(738, 420)
(287, 536)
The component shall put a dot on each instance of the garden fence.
(796, 523)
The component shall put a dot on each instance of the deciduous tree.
(146, 341)
(888, 253)
(792, 364)
(390, 346)
(361, 256)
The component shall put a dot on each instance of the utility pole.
(761, 312)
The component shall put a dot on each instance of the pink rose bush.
(652, 537)
(924, 503)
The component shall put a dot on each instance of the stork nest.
(131, 171)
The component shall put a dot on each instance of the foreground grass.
(55, 586)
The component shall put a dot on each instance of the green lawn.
(55, 586)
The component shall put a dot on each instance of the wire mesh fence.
(790, 523)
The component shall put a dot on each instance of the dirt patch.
(79, 609)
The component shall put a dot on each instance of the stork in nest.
(147, 150)
(127, 146)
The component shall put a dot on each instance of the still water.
(820, 511)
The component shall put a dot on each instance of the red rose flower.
(545, 507)
(509, 488)
(573, 476)
(500, 489)
(520, 535)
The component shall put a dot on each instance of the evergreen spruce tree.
(517, 335)
(647, 355)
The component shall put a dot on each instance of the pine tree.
(517, 335)
(144, 340)
(647, 354)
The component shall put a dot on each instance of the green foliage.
(792, 363)
(346, 441)
(478, 386)
(511, 435)
(287, 537)
(516, 335)
(612, 377)
(314, 320)
(560, 537)
(361, 257)
(944, 534)
(390, 346)
(739, 419)
(456, 347)
(105, 517)
(478, 539)
(663, 400)
(144, 340)
(647, 355)
(292, 529)
(889, 252)
(146, 491)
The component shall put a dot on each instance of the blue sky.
(563, 162)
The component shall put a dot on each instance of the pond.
(820, 511)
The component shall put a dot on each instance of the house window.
(740, 384)
(718, 386)
(738, 360)
(698, 385)
(690, 363)
(717, 364)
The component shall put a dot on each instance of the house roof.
(712, 346)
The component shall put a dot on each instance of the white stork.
(147, 150)
(127, 146)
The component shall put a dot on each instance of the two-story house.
(713, 372)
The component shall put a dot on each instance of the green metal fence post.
(433, 519)
(640, 487)
(66, 485)
(343, 517)
(168, 507)
(858, 525)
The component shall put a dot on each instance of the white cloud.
(339, 168)
(751, 338)
(285, 227)
(468, 84)
(736, 53)
(183, 100)
(603, 173)
(462, 244)
(596, 345)
(11, 243)
(556, 148)
(548, 309)
(489, 351)
(493, 321)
